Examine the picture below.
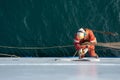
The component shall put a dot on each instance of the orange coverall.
(89, 37)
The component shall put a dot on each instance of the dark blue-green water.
(50, 23)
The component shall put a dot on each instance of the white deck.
(49, 69)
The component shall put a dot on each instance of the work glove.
(83, 51)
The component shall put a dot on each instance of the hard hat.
(81, 30)
(81, 33)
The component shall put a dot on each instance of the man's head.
(81, 33)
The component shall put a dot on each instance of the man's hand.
(82, 52)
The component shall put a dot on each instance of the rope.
(102, 32)
(28, 48)
(108, 33)
(114, 45)
(11, 47)
(7, 55)
(75, 53)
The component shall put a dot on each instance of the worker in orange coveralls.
(84, 42)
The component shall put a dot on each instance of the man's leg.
(92, 52)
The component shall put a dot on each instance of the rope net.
(110, 45)
(115, 45)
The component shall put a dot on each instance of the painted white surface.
(49, 69)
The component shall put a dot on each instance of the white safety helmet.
(81, 30)
(81, 33)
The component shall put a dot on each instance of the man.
(84, 42)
